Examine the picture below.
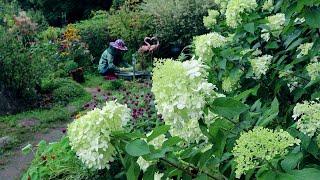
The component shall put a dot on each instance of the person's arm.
(110, 60)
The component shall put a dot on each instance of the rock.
(28, 123)
(6, 141)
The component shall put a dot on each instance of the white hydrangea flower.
(276, 23)
(158, 141)
(313, 69)
(158, 176)
(299, 20)
(180, 89)
(223, 5)
(143, 164)
(205, 43)
(211, 20)
(268, 5)
(90, 134)
(260, 65)
(265, 35)
(308, 116)
(236, 8)
(304, 49)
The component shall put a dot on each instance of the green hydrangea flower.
(308, 116)
(256, 146)
(304, 49)
(90, 134)
(206, 43)
(313, 69)
(180, 89)
(260, 65)
(276, 23)
(211, 20)
(236, 8)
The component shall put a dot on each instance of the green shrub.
(177, 21)
(112, 85)
(94, 32)
(56, 161)
(63, 90)
(131, 26)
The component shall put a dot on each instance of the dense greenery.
(245, 106)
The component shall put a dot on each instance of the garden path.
(16, 163)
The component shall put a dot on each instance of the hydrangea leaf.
(158, 131)
(137, 148)
(227, 107)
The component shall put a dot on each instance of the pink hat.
(119, 44)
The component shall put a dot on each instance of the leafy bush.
(131, 26)
(177, 21)
(95, 33)
(55, 161)
(60, 12)
(63, 90)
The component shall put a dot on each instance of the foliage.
(63, 90)
(131, 26)
(58, 13)
(55, 161)
(94, 32)
(177, 21)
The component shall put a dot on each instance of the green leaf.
(227, 107)
(245, 94)
(272, 45)
(269, 114)
(27, 149)
(158, 131)
(312, 16)
(295, 44)
(249, 27)
(133, 171)
(137, 148)
(305, 174)
(291, 161)
(219, 133)
(172, 141)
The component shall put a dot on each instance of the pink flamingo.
(145, 48)
(154, 47)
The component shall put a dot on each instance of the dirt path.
(16, 163)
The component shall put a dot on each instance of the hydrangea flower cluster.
(158, 141)
(205, 43)
(143, 164)
(180, 89)
(313, 69)
(236, 8)
(260, 65)
(304, 49)
(229, 84)
(211, 20)
(267, 5)
(276, 23)
(308, 116)
(223, 5)
(90, 134)
(258, 145)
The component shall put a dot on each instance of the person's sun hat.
(119, 44)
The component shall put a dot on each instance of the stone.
(6, 141)
(29, 122)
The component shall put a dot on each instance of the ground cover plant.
(242, 104)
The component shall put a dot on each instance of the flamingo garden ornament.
(147, 47)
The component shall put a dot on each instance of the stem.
(178, 167)
(121, 158)
(186, 171)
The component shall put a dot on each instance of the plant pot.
(77, 75)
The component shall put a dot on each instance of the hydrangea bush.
(245, 107)
(90, 134)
